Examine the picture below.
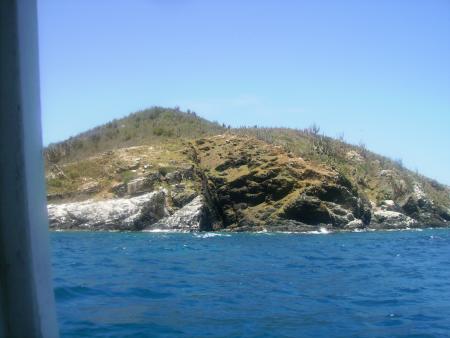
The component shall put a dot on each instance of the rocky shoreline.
(143, 212)
(152, 212)
(231, 183)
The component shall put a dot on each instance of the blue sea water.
(371, 284)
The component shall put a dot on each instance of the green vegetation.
(151, 126)
(163, 137)
(127, 176)
(379, 177)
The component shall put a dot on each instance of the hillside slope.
(152, 126)
(248, 179)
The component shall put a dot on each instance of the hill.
(151, 126)
(247, 178)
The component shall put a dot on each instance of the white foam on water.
(164, 231)
(362, 230)
(402, 229)
(210, 234)
(321, 231)
(264, 231)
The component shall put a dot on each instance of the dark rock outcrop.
(260, 187)
(231, 183)
(308, 210)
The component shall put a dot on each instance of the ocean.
(368, 284)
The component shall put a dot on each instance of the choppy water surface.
(373, 284)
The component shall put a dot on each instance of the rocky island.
(163, 169)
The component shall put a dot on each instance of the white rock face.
(388, 205)
(392, 219)
(188, 218)
(419, 193)
(144, 212)
(121, 214)
(355, 224)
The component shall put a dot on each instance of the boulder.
(180, 175)
(138, 185)
(391, 219)
(119, 189)
(143, 184)
(388, 205)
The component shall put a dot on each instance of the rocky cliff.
(232, 182)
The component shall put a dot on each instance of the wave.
(210, 234)
(321, 231)
(166, 231)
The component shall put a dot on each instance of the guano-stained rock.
(116, 214)
(188, 218)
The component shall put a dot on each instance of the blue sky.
(376, 71)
